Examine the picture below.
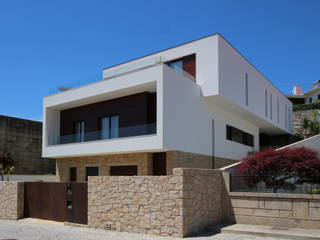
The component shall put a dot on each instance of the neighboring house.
(197, 105)
(23, 138)
(311, 96)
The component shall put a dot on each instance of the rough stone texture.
(23, 139)
(282, 210)
(298, 117)
(11, 200)
(178, 159)
(175, 205)
(142, 160)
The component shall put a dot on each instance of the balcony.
(123, 132)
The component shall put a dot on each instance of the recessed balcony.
(123, 132)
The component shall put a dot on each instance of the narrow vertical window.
(270, 106)
(78, 130)
(247, 87)
(114, 127)
(285, 117)
(278, 112)
(289, 119)
(266, 102)
(104, 123)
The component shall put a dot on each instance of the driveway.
(22, 230)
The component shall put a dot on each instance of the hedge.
(308, 106)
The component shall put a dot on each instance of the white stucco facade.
(191, 116)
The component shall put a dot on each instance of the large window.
(237, 135)
(109, 127)
(78, 130)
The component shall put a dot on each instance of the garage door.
(124, 171)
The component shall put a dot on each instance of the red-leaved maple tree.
(281, 168)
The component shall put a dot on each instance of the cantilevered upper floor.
(187, 98)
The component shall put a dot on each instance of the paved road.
(21, 230)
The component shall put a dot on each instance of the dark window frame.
(239, 136)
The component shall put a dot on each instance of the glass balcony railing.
(131, 131)
(108, 74)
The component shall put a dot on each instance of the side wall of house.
(189, 120)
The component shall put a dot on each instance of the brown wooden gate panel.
(45, 200)
(57, 201)
(77, 203)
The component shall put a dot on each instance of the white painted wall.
(232, 74)
(188, 121)
(147, 80)
(206, 51)
(312, 143)
(184, 109)
(313, 95)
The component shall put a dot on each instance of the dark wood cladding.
(189, 64)
(159, 163)
(132, 110)
(124, 170)
(56, 201)
(45, 201)
(77, 199)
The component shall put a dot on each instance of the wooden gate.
(57, 201)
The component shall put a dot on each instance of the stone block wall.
(63, 165)
(23, 139)
(11, 200)
(298, 117)
(178, 159)
(143, 160)
(271, 209)
(176, 205)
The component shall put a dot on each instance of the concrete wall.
(311, 142)
(177, 205)
(11, 200)
(232, 76)
(22, 138)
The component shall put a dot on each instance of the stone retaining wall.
(177, 205)
(11, 200)
(272, 209)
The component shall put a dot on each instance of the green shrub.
(315, 191)
(308, 106)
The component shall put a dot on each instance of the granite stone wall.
(23, 139)
(11, 200)
(63, 165)
(271, 209)
(177, 205)
(143, 160)
(298, 117)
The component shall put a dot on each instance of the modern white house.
(311, 96)
(200, 104)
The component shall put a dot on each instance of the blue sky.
(45, 44)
